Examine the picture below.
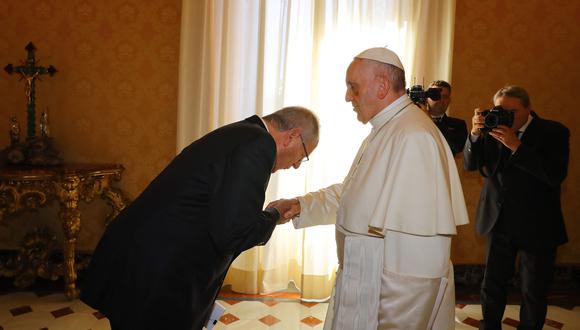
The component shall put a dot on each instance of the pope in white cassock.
(395, 211)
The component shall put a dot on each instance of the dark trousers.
(536, 271)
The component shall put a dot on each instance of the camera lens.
(491, 120)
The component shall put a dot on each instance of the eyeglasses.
(305, 151)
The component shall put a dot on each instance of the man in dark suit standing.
(519, 207)
(162, 261)
(454, 129)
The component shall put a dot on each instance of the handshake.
(288, 209)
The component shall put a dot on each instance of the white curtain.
(245, 57)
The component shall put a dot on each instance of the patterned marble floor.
(33, 311)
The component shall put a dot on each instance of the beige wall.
(114, 97)
(534, 44)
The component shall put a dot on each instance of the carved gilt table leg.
(116, 200)
(70, 216)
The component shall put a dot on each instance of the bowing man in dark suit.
(454, 129)
(519, 207)
(162, 261)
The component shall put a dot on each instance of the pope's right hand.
(288, 208)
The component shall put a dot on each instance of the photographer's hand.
(477, 122)
(506, 136)
(424, 108)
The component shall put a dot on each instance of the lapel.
(445, 123)
(493, 152)
(533, 131)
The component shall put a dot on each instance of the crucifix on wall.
(36, 150)
(29, 71)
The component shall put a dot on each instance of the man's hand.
(477, 122)
(506, 136)
(424, 108)
(288, 208)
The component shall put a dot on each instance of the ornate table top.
(20, 172)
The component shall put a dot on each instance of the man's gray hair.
(291, 117)
(515, 92)
(395, 75)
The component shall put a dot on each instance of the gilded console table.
(29, 188)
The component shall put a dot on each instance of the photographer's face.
(521, 113)
(438, 108)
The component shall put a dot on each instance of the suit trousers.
(536, 270)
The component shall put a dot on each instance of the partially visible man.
(162, 261)
(519, 208)
(453, 129)
(394, 212)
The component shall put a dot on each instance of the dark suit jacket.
(161, 262)
(521, 193)
(455, 132)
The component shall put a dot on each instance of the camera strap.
(503, 154)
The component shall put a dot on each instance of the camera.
(497, 116)
(419, 96)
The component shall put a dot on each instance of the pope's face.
(361, 89)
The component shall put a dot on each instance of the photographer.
(524, 163)
(453, 129)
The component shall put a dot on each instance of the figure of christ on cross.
(30, 72)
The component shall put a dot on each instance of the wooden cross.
(30, 72)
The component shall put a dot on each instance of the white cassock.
(395, 213)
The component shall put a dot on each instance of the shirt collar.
(387, 113)
(265, 124)
(525, 126)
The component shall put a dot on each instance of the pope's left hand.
(506, 136)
